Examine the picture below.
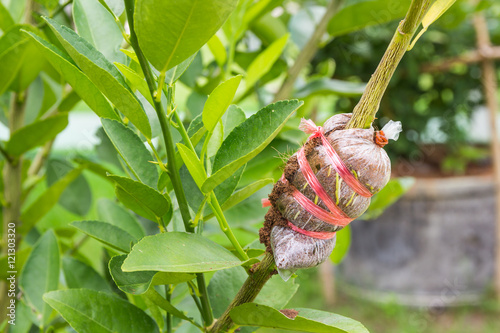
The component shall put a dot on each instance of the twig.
(490, 91)
(488, 53)
(40, 158)
(365, 110)
(308, 52)
(248, 291)
(6, 155)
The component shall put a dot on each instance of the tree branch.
(475, 56)
(365, 110)
(248, 291)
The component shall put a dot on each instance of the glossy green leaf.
(218, 102)
(361, 14)
(248, 139)
(264, 61)
(342, 245)
(160, 301)
(46, 201)
(36, 134)
(94, 23)
(391, 193)
(139, 282)
(115, 6)
(142, 199)
(173, 74)
(89, 311)
(224, 286)
(132, 150)
(136, 81)
(41, 273)
(27, 65)
(308, 320)
(245, 192)
(6, 20)
(326, 86)
(193, 164)
(178, 252)
(171, 31)
(12, 51)
(215, 140)
(106, 233)
(112, 213)
(435, 11)
(232, 118)
(80, 275)
(77, 197)
(81, 84)
(218, 50)
(103, 74)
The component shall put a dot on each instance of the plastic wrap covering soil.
(324, 186)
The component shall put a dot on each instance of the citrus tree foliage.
(151, 225)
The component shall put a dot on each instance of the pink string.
(265, 203)
(308, 126)
(313, 234)
(335, 216)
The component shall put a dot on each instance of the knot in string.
(309, 127)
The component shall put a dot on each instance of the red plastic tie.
(335, 217)
(308, 126)
(265, 203)
(313, 234)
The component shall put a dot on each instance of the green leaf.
(218, 102)
(218, 50)
(224, 286)
(173, 74)
(81, 84)
(170, 31)
(137, 283)
(89, 311)
(326, 86)
(215, 140)
(308, 320)
(142, 199)
(106, 233)
(77, 197)
(435, 11)
(264, 61)
(361, 14)
(41, 273)
(248, 139)
(116, 6)
(94, 23)
(178, 252)
(342, 245)
(193, 164)
(245, 192)
(36, 134)
(232, 118)
(80, 275)
(49, 4)
(136, 80)
(391, 193)
(103, 74)
(12, 52)
(132, 150)
(6, 20)
(46, 201)
(111, 212)
(160, 301)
